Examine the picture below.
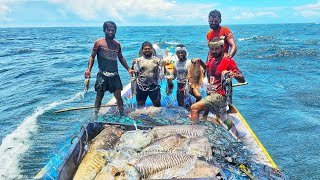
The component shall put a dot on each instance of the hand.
(87, 74)
(195, 60)
(134, 61)
(231, 74)
(131, 71)
(226, 55)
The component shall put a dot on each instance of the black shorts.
(105, 83)
(153, 94)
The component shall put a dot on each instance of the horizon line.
(153, 25)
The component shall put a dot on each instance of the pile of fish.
(163, 152)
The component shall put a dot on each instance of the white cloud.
(254, 14)
(4, 11)
(122, 9)
(309, 10)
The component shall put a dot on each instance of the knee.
(100, 94)
(194, 108)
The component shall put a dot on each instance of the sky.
(78, 13)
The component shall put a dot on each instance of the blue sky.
(40, 13)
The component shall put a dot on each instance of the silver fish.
(133, 85)
(86, 84)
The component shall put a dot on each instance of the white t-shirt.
(182, 70)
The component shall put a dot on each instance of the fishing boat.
(64, 165)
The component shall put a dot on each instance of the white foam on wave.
(244, 39)
(172, 43)
(17, 143)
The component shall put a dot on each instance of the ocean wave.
(289, 54)
(5, 70)
(27, 73)
(17, 143)
(171, 42)
(18, 52)
(25, 38)
(257, 38)
(23, 51)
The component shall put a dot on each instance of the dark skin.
(110, 44)
(214, 23)
(182, 56)
(147, 52)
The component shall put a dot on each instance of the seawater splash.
(17, 143)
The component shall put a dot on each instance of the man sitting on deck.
(215, 102)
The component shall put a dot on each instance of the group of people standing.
(147, 68)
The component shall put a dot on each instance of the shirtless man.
(107, 51)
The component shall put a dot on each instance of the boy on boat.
(215, 102)
(180, 71)
(147, 68)
(107, 51)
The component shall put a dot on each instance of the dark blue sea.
(42, 71)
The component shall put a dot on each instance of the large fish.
(202, 169)
(98, 154)
(118, 169)
(195, 75)
(136, 140)
(166, 144)
(164, 165)
(185, 130)
(199, 146)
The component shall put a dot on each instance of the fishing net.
(229, 153)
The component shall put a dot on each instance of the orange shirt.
(222, 31)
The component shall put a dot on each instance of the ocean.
(42, 71)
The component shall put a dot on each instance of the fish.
(118, 169)
(167, 144)
(200, 147)
(185, 130)
(107, 138)
(136, 140)
(202, 169)
(86, 84)
(99, 152)
(195, 74)
(133, 82)
(164, 165)
(169, 87)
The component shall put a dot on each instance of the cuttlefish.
(164, 165)
(195, 74)
(188, 131)
(99, 152)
